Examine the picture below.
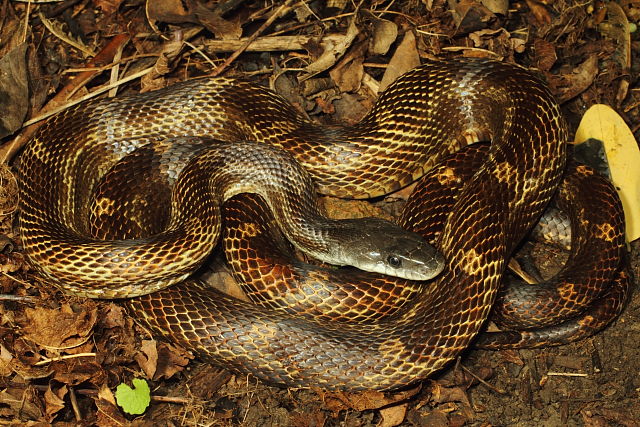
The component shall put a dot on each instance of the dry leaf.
(545, 54)
(332, 53)
(21, 403)
(109, 7)
(470, 16)
(616, 27)
(384, 34)
(54, 401)
(171, 360)
(405, 58)
(362, 401)
(76, 371)
(60, 328)
(14, 91)
(573, 84)
(601, 122)
(191, 11)
(147, 358)
(393, 415)
(496, 6)
(539, 11)
(347, 74)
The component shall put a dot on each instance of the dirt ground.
(62, 358)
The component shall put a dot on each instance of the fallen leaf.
(14, 92)
(60, 328)
(362, 401)
(405, 58)
(539, 11)
(109, 7)
(573, 84)
(616, 27)
(601, 122)
(191, 11)
(171, 360)
(496, 6)
(384, 34)
(393, 415)
(147, 358)
(54, 401)
(471, 16)
(347, 74)
(332, 52)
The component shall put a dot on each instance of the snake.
(425, 116)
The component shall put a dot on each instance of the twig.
(74, 404)
(250, 40)
(90, 95)
(17, 298)
(492, 387)
(64, 357)
(104, 56)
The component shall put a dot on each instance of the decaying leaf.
(384, 34)
(14, 92)
(616, 27)
(191, 11)
(147, 358)
(601, 122)
(573, 84)
(60, 328)
(338, 401)
(470, 15)
(54, 401)
(404, 59)
(332, 52)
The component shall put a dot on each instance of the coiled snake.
(428, 113)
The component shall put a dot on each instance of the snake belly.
(426, 114)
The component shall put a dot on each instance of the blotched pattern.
(427, 114)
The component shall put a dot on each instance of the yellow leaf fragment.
(601, 122)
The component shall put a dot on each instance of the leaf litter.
(63, 358)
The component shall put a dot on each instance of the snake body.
(427, 114)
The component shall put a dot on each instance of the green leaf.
(134, 400)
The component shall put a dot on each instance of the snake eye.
(394, 261)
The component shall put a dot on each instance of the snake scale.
(423, 117)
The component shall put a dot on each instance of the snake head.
(379, 246)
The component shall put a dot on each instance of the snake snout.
(413, 259)
(386, 248)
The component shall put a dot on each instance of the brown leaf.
(384, 34)
(75, 371)
(332, 52)
(54, 401)
(573, 84)
(113, 317)
(108, 412)
(109, 7)
(539, 11)
(545, 54)
(393, 415)
(347, 74)
(147, 358)
(60, 328)
(471, 16)
(14, 92)
(404, 59)
(22, 403)
(362, 401)
(192, 11)
(171, 359)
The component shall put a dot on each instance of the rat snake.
(424, 116)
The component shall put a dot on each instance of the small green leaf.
(134, 400)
